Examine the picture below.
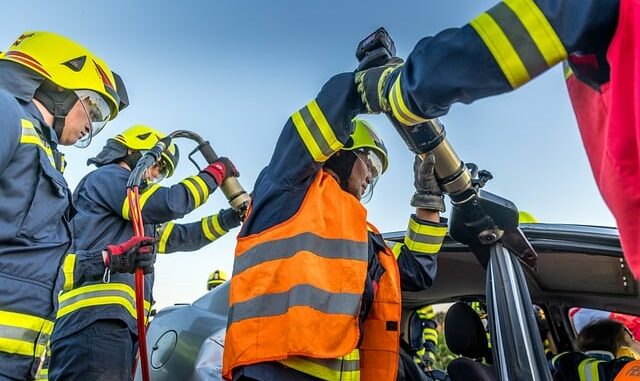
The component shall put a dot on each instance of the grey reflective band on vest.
(288, 247)
(338, 365)
(423, 238)
(22, 334)
(314, 130)
(520, 39)
(302, 295)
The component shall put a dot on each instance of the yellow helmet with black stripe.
(141, 137)
(216, 278)
(68, 65)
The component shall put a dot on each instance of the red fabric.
(630, 321)
(609, 123)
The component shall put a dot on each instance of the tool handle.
(207, 152)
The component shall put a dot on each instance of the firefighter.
(315, 291)
(512, 43)
(53, 92)
(215, 279)
(95, 335)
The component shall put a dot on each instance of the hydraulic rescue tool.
(487, 223)
(237, 197)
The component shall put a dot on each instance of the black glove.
(372, 84)
(126, 257)
(229, 219)
(221, 169)
(428, 193)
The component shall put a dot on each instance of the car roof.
(578, 265)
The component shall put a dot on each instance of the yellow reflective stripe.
(323, 124)
(430, 334)
(399, 107)
(164, 237)
(144, 197)
(500, 47)
(194, 191)
(588, 369)
(568, 72)
(216, 226)
(346, 368)
(315, 132)
(206, 230)
(422, 238)
(396, 248)
(426, 312)
(542, 33)
(203, 187)
(30, 136)
(43, 374)
(99, 294)
(68, 268)
(24, 334)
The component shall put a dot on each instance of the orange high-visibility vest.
(297, 287)
(630, 372)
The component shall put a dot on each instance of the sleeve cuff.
(425, 237)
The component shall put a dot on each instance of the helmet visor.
(158, 172)
(98, 112)
(374, 165)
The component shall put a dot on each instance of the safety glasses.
(373, 163)
(98, 112)
(163, 171)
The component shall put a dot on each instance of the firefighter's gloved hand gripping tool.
(236, 196)
(482, 218)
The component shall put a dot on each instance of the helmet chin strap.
(342, 165)
(57, 102)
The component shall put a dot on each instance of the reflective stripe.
(426, 313)
(346, 368)
(425, 239)
(211, 228)
(43, 374)
(68, 268)
(31, 136)
(430, 334)
(568, 72)
(588, 370)
(520, 38)
(24, 334)
(164, 232)
(195, 190)
(396, 248)
(99, 295)
(144, 197)
(309, 242)
(203, 187)
(303, 295)
(315, 132)
(399, 107)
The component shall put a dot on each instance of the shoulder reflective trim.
(99, 295)
(144, 197)
(288, 247)
(340, 369)
(520, 38)
(396, 248)
(422, 238)
(303, 295)
(164, 233)
(315, 132)
(588, 370)
(399, 107)
(194, 189)
(23, 334)
(68, 268)
(31, 136)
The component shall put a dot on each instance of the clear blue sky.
(233, 71)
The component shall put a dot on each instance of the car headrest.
(464, 332)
